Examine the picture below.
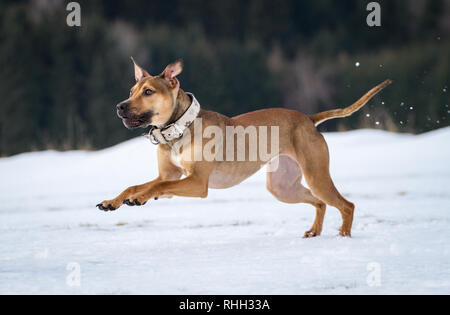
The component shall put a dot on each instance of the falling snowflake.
(377, 123)
(357, 64)
(368, 115)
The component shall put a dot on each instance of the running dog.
(159, 102)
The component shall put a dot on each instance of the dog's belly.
(221, 180)
(226, 175)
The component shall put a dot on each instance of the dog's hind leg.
(313, 157)
(284, 182)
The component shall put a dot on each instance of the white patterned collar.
(175, 130)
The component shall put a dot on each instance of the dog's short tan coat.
(159, 100)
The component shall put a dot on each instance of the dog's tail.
(341, 113)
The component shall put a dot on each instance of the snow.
(238, 241)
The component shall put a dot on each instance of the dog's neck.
(185, 111)
(182, 104)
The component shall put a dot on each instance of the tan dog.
(158, 101)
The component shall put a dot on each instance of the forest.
(59, 85)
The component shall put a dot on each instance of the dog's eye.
(148, 92)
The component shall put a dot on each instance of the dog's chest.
(176, 158)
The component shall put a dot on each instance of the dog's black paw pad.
(156, 198)
(128, 203)
(137, 203)
(103, 208)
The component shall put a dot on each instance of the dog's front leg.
(125, 196)
(191, 186)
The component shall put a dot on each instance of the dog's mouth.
(132, 122)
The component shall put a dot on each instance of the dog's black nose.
(122, 106)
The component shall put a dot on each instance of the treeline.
(59, 85)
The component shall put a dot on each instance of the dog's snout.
(122, 106)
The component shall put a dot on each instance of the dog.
(159, 102)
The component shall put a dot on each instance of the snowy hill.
(238, 241)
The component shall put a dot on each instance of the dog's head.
(152, 100)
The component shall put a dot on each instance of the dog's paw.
(134, 202)
(107, 206)
(138, 200)
(311, 234)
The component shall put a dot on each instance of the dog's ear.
(139, 73)
(171, 72)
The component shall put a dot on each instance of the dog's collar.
(175, 130)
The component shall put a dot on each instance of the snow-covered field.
(238, 241)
